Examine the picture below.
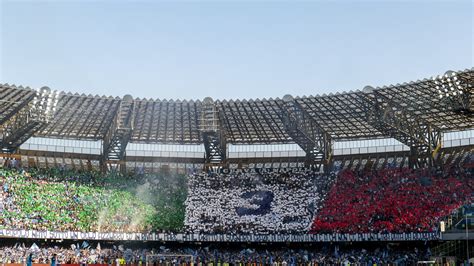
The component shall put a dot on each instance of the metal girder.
(457, 90)
(308, 134)
(163, 121)
(32, 116)
(13, 99)
(395, 121)
(84, 117)
(253, 121)
(445, 103)
(341, 115)
(433, 100)
(17, 130)
(212, 134)
(119, 133)
(215, 149)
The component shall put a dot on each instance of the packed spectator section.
(68, 200)
(254, 203)
(248, 203)
(393, 200)
(119, 254)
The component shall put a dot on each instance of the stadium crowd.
(393, 200)
(184, 255)
(387, 200)
(254, 203)
(62, 200)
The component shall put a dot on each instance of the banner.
(264, 170)
(32, 234)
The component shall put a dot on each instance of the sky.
(230, 50)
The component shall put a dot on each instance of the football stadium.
(236, 133)
(374, 176)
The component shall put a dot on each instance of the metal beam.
(396, 121)
(33, 115)
(12, 100)
(444, 103)
(457, 90)
(308, 134)
(116, 140)
(213, 134)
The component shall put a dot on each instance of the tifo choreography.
(384, 201)
(254, 203)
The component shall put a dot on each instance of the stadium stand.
(393, 200)
(63, 200)
(388, 200)
(78, 176)
(254, 203)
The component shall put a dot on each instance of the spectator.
(186, 254)
(392, 200)
(245, 203)
(69, 200)
(387, 200)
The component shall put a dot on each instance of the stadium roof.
(343, 116)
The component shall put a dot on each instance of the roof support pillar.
(396, 121)
(213, 135)
(117, 137)
(308, 134)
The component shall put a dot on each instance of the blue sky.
(246, 49)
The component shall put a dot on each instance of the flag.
(34, 248)
(85, 245)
